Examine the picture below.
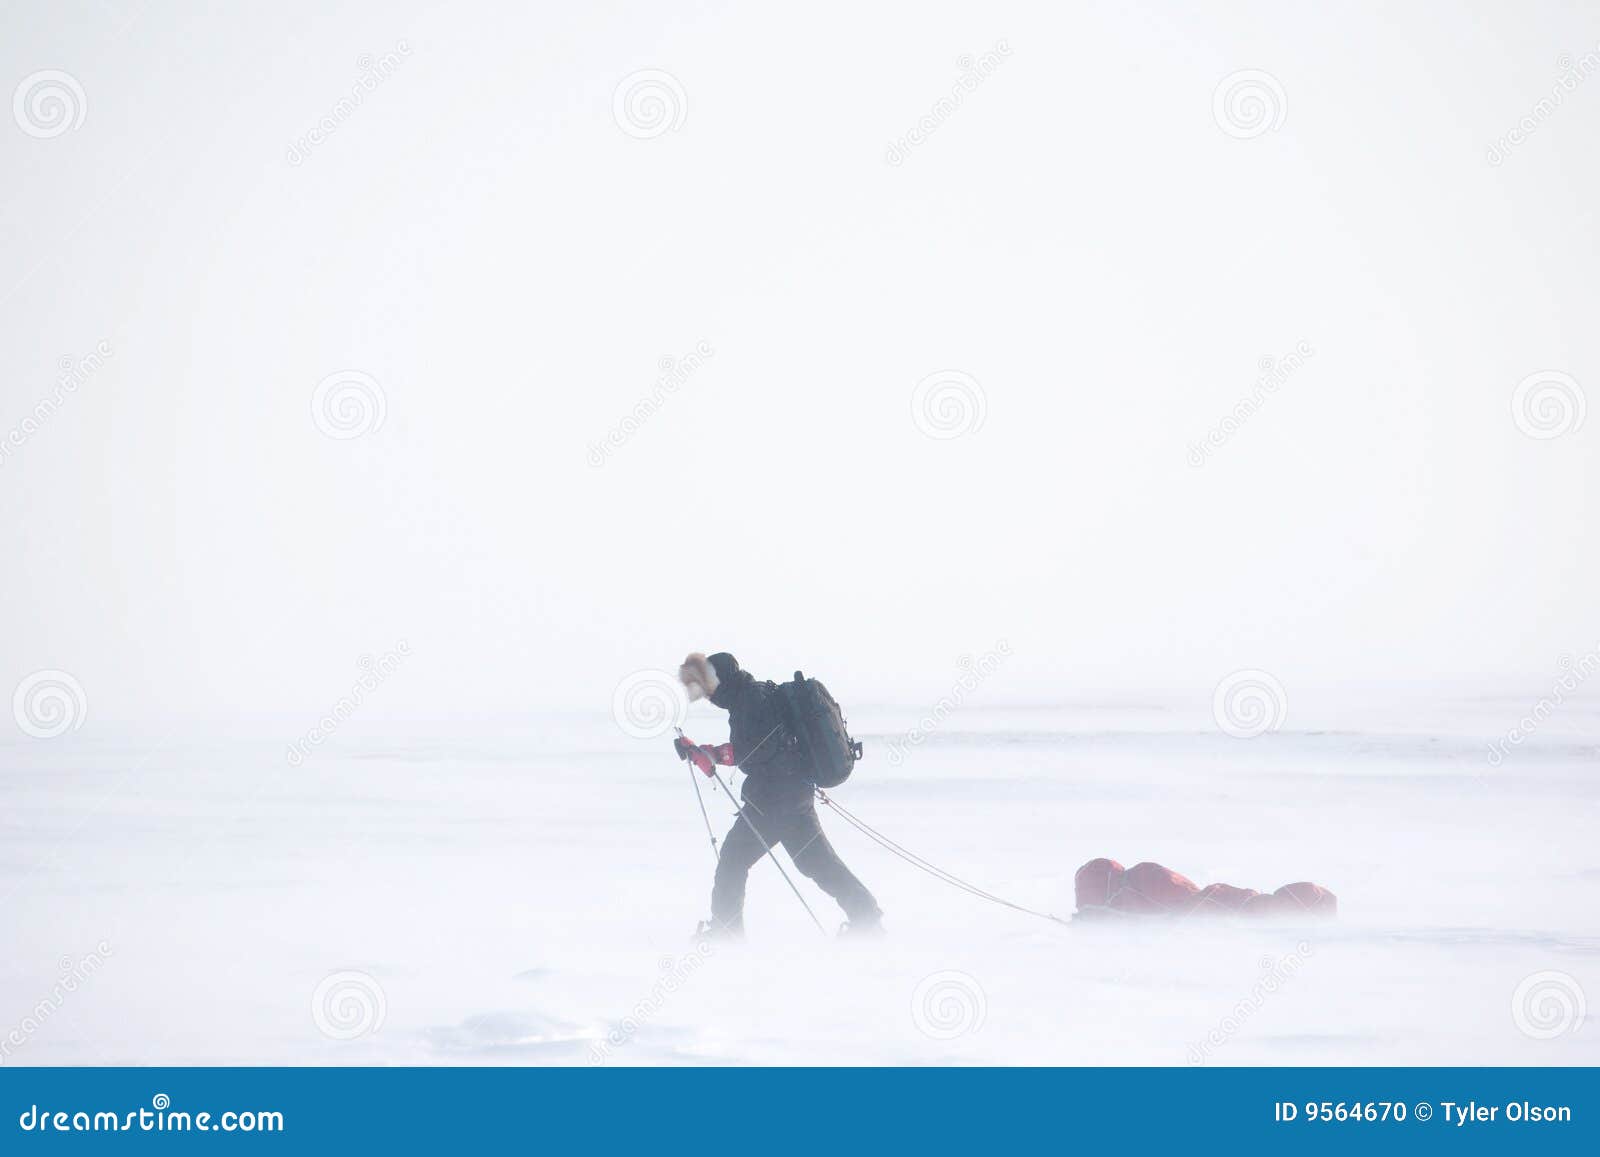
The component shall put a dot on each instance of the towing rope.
(917, 861)
(865, 829)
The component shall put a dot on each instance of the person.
(779, 798)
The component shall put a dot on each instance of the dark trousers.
(798, 830)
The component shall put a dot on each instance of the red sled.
(1105, 888)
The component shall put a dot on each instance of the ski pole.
(766, 847)
(701, 800)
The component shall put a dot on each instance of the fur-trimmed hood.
(698, 676)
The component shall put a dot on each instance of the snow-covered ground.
(527, 895)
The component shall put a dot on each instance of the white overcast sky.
(1082, 237)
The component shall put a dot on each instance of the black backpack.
(818, 727)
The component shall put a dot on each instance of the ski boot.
(716, 932)
(867, 928)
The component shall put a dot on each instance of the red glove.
(704, 758)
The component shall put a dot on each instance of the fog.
(858, 340)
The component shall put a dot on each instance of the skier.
(779, 798)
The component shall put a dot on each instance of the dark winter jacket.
(763, 745)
